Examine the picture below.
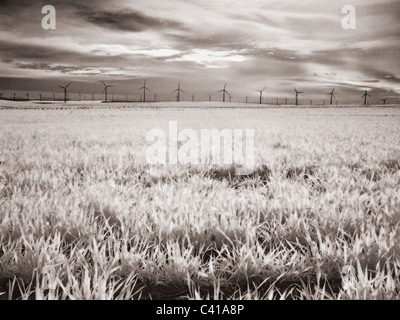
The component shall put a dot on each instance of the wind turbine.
(297, 94)
(65, 91)
(365, 95)
(40, 96)
(384, 100)
(105, 91)
(15, 96)
(224, 92)
(332, 94)
(261, 92)
(144, 88)
(179, 90)
(230, 97)
(192, 97)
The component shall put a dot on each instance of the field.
(84, 216)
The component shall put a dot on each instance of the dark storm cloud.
(19, 52)
(127, 20)
(15, 51)
(48, 67)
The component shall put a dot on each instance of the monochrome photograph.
(218, 151)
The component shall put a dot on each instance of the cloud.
(253, 42)
(127, 20)
(212, 58)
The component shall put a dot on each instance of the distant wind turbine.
(1, 96)
(332, 94)
(297, 94)
(384, 100)
(27, 96)
(40, 96)
(224, 92)
(144, 88)
(179, 90)
(365, 95)
(105, 91)
(192, 97)
(15, 96)
(261, 92)
(65, 91)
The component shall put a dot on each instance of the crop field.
(83, 215)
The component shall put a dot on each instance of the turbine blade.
(67, 85)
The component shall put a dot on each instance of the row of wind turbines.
(223, 91)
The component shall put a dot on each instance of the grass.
(77, 194)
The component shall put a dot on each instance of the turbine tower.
(27, 96)
(224, 92)
(105, 91)
(261, 92)
(179, 90)
(365, 95)
(1, 96)
(144, 88)
(384, 100)
(65, 91)
(297, 94)
(332, 94)
(192, 97)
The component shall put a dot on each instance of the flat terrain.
(77, 195)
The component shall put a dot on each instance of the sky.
(203, 44)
